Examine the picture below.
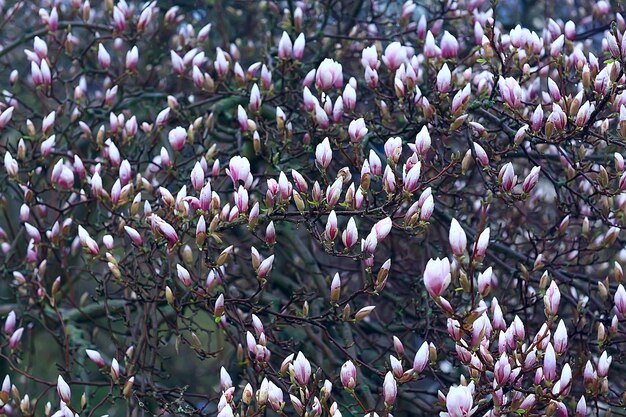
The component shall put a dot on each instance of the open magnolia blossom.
(312, 208)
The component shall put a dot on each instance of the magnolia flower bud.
(323, 154)
(421, 358)
(348, 375)
(457, 238)
(64, 391)
(437, 276)
(390, 389)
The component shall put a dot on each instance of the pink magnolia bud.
(10, 164)
(132, 59)
(603, 364)
(36, 74)
(46, 75)
(299, 181)
(390, 389)
(47, 124)
(177, 138)
(437, 276)
(528, 402)
(16, 337)
(220, 63)
(389, 180)
(552, 299)
(285, 46)
(584, 113)
(564, 384)
(321, 117)
(510, 91)
(570, 30)
(183, 275)
(357, 130)
(218, 308)
(581, 407)
(337, 112)
(302, 369)
(241, 199)
(255, 99)
(427, 208)
(64, 391)
(205, 197)
(197, 177)
(482, 243)
(225, 380)
(87, 242)
(461, 98)
(351, 235)
(560, 338)
(457, 238)
(40, 47)
(444, 79)
(394, 56)
(369, 57)
(270, 234)
(411, 178)
(549, 363)
(553, 88)
(421, 358)
(331, 226)
(9, 323)
(177, 63)
(265, 267)
(134, 235)
(589, 374)
(398, 346)
(275, 397)
(329, 74)
(507, 177)
(459, 401)
(298, 46)
(242, 118)
(393, 148)
(484, 281)
(431, 50)
(375, 163)
(284, 187)
(335, 288)
(323, 154)
(96, 358)
(556, 47)
(449, 45)
(348, 375)
(163, 117)
(422, 26)
(531, 180)
(5, 117)
(125, 172)
(382, 228)
(371, 77)
(238, 169)
(104, 59)
(422, 141)
(502, 369)
(454, 330)
(112, 152)
(119, 19)
(536, 119)
(620, 301)
(64, 177)
(481, 155)
(349, 97)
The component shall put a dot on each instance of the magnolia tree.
(312, 208)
